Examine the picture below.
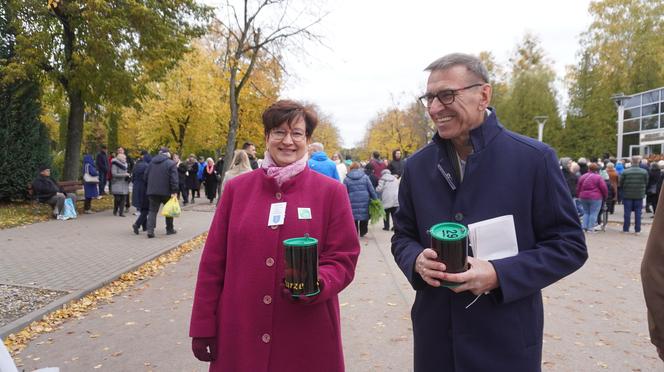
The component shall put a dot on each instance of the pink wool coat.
(239, 294)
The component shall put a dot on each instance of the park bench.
(67, 187)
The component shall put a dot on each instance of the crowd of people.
(601, 184)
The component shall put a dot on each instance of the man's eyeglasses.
(296, 135)
(446, 97)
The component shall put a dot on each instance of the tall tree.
(259, 29)
(24, 142)
(103, 51)
(531, 93)
(622, 51)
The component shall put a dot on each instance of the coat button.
(269, 262)
(267, 299)
(266, 337)
(278, 196)
(458, 216)
(274, 227)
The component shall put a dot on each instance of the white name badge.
(304, 213)
(277, 214)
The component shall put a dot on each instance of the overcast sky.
(375, 50)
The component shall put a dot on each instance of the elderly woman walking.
(591, 190)
(388, 189)
(119, 183)
(243, 317)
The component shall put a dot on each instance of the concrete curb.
(25, 320)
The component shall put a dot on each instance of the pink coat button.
(267, 299)
(266, 338)
(269, 262)
(278, 196)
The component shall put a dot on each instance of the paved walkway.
(78, 256)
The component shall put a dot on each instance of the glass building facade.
(641, 123)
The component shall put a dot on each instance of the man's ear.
(485, 99)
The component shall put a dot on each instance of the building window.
(632, 113)
(649, 122)
(650, 110)
(650, 97)
(631, 125)
(633, 101)
(630, 140)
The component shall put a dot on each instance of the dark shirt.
(44, 188)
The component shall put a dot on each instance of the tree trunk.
(113, 119)
(233, 125)
(74, 136)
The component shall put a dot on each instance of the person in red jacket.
(243, 317)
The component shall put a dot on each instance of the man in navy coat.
(474, 169)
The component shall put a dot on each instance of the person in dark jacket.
(250, 149)
(633, 182)
(396, 165)
(377, 165)
(369, 171)
(182, 179)
(90, 189)
(455, 178)
(360, 192)
(191, 182)
(46, 190)
(139, 197)
(210, 180)
(103, 167)
(162, 176)
(651, 188)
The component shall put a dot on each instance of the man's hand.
(480, 278)
(204, 348)
(174, 195)
(429, 269)
(60, 194)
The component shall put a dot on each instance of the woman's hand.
(204, 348)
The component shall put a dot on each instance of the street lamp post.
(619, 99)
(540, 120)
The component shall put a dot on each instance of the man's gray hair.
(636, 159)
(472, 63)
(317, 146)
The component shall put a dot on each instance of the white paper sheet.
(494, 238)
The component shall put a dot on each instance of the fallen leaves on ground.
(16, 342)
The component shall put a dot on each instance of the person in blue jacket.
(320, 163)
(460, 177)
(360, 192)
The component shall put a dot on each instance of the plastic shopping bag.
(68, 211)
(172, 208)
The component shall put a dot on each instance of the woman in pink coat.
(243, 317)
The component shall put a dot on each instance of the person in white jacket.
(341, 166)
(388, 189)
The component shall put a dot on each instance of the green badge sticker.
(304, 213)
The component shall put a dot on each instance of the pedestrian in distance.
(162, 184)
(240, 165)
(633, 182)
(210, 179)
(388, 189)
(90, 189)
(182, 179)
(342, 170)
(591, 190)
(397, 163)
(243, 317)
(320, 163)
(454, 178)
(103, 167)
(360, 192)
(139, 197)
(377, 165)
(119, 183)
(191, 181)
(250, 148)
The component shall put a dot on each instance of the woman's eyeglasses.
(280, 134)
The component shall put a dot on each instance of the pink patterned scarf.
(283, 174)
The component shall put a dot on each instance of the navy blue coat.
(91, 190)
(360, 191)
(162, 176)
(139, 177)
(503, 330)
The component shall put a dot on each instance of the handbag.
(87, 178)
(68, 211)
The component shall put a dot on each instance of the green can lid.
(449, 231)
(301, 242)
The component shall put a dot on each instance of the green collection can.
(301, 265)
(450, 242)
